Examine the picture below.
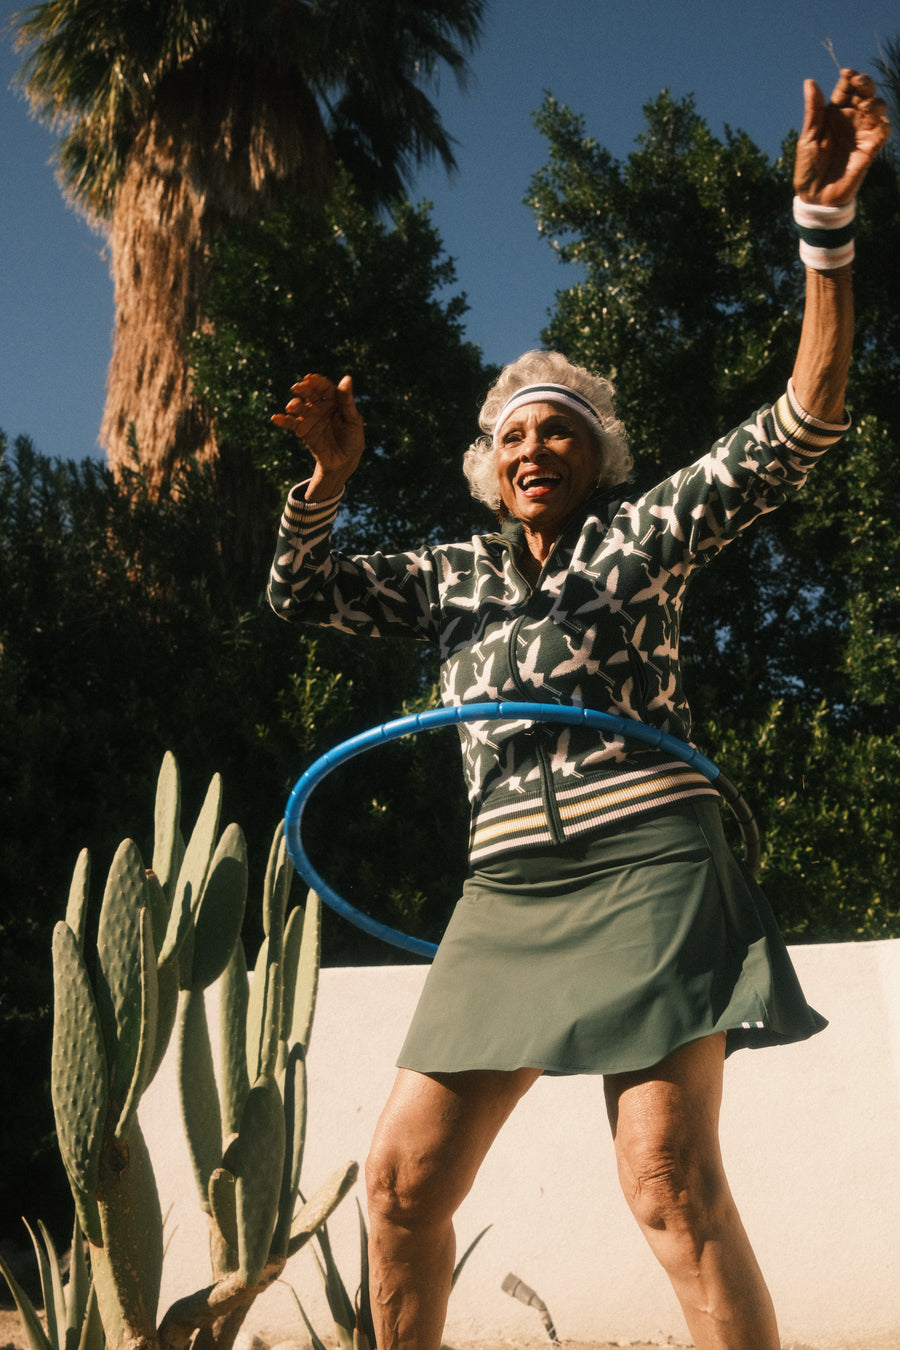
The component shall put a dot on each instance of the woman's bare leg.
(431, 1139)
(665, 1123)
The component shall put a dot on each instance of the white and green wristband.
(826, 234)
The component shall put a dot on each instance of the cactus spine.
(165, 935)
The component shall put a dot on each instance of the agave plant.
(72, 1317)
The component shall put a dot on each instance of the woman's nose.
(532, 445)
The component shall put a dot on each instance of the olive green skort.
(603, 956)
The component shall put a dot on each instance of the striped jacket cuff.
(800, 430)
(301, 516)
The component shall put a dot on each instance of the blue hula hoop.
(481, 712)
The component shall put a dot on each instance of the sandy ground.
(11, 1335)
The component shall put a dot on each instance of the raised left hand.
(839, 139)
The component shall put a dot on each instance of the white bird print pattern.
(600, 629)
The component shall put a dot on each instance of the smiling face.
(547, 464)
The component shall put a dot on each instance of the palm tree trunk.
(158, 243)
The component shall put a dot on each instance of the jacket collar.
(604, 503)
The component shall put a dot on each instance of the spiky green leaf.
(78, 1291)
(51, 1284)
(31, 1322)
(458, 1269)
(340, 1304)
(316, 1341)
(364, 1333)
(92, 1336)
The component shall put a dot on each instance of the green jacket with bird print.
(600, 627)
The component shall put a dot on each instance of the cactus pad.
(78, 1065)
(256, 1157)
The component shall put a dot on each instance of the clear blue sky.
(743, 62)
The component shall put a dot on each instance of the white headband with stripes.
(548, 393)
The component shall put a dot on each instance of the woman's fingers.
(315, 398)
(852, 85)
(840, 139)
(325, 417)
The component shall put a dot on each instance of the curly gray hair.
(537, 367)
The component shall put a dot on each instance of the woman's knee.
(432, 1138)
(418, 1168)
(410, 1188)
(673, 1188)
(665, 1126)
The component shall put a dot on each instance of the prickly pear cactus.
(78, 1075)
(251, 1191)
(165, 935)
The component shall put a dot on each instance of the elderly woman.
(605, 927)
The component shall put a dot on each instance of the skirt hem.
(737, 1038)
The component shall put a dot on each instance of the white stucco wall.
(811, 1137)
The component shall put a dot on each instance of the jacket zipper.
(548, 797)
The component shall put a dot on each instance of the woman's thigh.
(433, 1135)
(665, 1123)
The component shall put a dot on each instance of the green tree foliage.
(689, 283)
(888, 67)
(178, 118)
(346, 292)
(849, 520)
(690, 295)
(826, 803)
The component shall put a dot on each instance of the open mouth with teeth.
(537, 484)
